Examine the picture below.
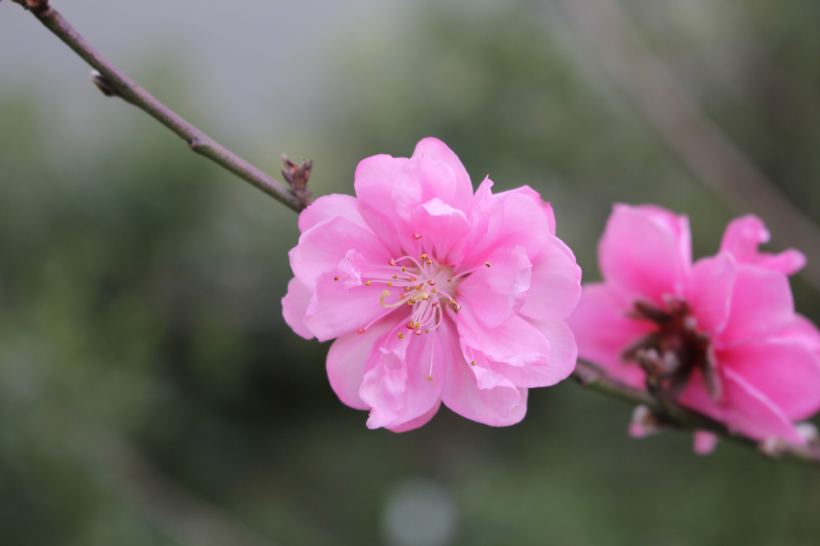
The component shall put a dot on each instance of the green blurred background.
(150, 392)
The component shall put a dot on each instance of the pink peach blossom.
(435, 294)
(720, 335)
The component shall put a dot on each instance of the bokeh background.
(150, 392)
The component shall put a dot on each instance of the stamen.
(428, 262)
(392, 261)
(473, 363)
(417, 332)
(401, 336)
(395, 276)
(361, 331)
(367, 283)
(431, 283)
(335, 278)
(390, 284)
(433, 290)
(424, 256)
(417, 236)
(403, 269)
(488, 264)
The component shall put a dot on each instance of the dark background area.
(150, 391)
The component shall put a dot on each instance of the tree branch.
(672, 415)
(113, 82)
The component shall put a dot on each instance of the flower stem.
(112, 81)
(675, 416)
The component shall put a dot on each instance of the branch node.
(104, 85)
(36, 7)
(297, 176)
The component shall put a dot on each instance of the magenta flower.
(434, 294)
(720, 335)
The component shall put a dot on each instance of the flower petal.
(347, 358)
(762, 305)
(418, 421)
(436, 150)
(642, 253)
(705, 442)
(535, 197)
(497, 292)
(516, 341)
(335, 310)
(744, 235)
(443, 230)
(710, 292)
(742, 408)
(322, 247)
(787, 372)
(563, 355)
(515, 221)
(399, 393)
(294, 307)
(555, 287)
(420, 180)
(328, 207)
(498, 403)
(603, 332)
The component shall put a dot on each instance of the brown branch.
(111, 81)
(677, 417)
(605, 30)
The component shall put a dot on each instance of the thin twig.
(675, 416)
(114, 82)
(606, 31)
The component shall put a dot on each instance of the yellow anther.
(473, 362)
(335, 278)
(488, 264)
(428, 262)
(401, 336)
(428, 331)
(395, 276)
(390, 284)
(448, 279)
(433, 290)
(429, 378)
(367, 283)
(424, 256)
(404, 269)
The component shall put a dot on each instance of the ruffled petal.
(347, 358)
(496, 293)
(294, 307)
(322, 247)
(332, 206)
(762, 305)
(642, 253)
(418, 421)
(420, 180)
(555, 287)
(516, 341)
(603, 332)
(710, 292)
(377, 167)
(443, 230)
(803, 331)
(535, 197)
(478, 394)
(563, 355)
(786, 371)
(436, 150)
(396, 385)
(515, 221)
(335, 310)
(742, 408)
(744, 235)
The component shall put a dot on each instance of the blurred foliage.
(139, 292)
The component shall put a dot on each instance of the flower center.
(422, 284)
(674, 350)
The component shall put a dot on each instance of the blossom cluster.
(434, 293)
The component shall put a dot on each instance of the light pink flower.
(435, 294)
(721, 334)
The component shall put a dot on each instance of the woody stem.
(114, 82)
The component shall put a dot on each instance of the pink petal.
(328, 207)
(603, 332)
(322, 247)
(642, 253)
(481, 209)
(420, 180)
(443, 230)
(710, 292)
(563, 355)
(801, 330)
(515, 221)
(744, 235)
(294, 307)
(496, 293)
(516, 341)
(380, 167)
(398, 395)
(418, 421)
(347, 358)
(436, 150)
(535, 197)
(705, 442)
(762, 305)
(742, 408)
(498, 404)
(335, 310)
(787, 372)
(555, 287)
